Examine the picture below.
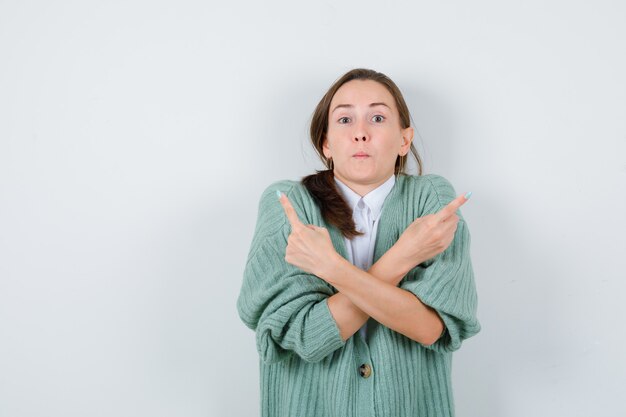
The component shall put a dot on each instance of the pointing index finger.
(292, 216)
(452, 206)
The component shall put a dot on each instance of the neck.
(362, 188)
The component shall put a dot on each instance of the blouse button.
(365, 370)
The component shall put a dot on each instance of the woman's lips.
(361, 155)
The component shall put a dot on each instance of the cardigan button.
(365, 370)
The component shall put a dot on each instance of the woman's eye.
(381, 117)
(342, 118)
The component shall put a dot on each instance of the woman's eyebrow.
(350, 106)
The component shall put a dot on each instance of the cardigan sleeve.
(287, 307)
(446, 282)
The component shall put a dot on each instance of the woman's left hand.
(309, 247)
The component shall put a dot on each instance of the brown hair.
(321, 185)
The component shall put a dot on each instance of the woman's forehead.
(362, 93)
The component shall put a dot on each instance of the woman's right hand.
(428, 235)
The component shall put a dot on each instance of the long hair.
(321, 185)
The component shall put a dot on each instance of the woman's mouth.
(361, 155)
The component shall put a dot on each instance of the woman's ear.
(407, 138)
(325, 148)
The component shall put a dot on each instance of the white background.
(137, 136)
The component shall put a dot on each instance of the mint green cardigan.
(306, 369)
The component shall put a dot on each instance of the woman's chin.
(362, 176)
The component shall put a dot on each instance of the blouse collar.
(374, 199)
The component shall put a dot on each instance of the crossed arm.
(376, 293)
(373, 293)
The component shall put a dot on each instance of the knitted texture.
(306, 369)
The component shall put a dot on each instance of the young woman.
(359, 282)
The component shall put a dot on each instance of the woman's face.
(364, 135)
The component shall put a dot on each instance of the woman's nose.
(360, 131)
(361, 135)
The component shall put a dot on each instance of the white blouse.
(365, 212)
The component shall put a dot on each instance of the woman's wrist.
(393, 266)
(405, 263)
(334, 263)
